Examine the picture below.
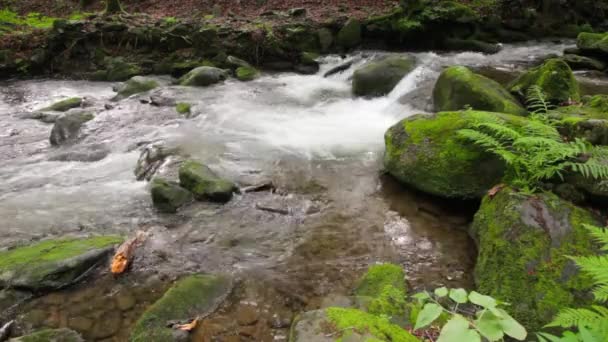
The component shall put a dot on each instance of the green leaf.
(441, 292)
(421, 296)
(459, 296)
(429, 313)
(489, 326)
(543, 337)
(511, 327)
(457, 330)
(482, 300)
(586, 335)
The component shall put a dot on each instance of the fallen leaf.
(495, 190)
(124, 253)
(188, 326)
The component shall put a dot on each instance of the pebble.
(246, 315)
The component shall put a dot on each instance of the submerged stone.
(204, 183)
(67, 126)
(53, 264)
(203, 76)
(64, 105)
(378, 78)
(459, 88)
(50, 335)
(554, 77)
(193, 296)
(523, 247)
(135, 85)
(168, 196)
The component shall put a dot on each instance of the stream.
(335, 213)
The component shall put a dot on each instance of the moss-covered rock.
(183, 108)
(135, 85)
(203, 76)
(554, 77)
(246, 73)
(342, 324)
(52, 264)
(593, 43)
(425, 152)
(117, 70)
(64, 105)
(349, 35)
(577, 62)
(192, 296)
(458, 88)
(204, 183)
(50, 335)
(168, 196)
(67, 126)
(326, 39)
(235, 62)
(378, 78)
(523, 245)
(382, 290)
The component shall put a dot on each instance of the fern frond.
(500, 131)
(540, 129)
(480, 138)
(601, 293)
(600, 235)
(595, 266)
(591, 169)
(536, 101)
(568, 318)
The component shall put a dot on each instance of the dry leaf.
(495, 190)
(188, 326)
(124, 253)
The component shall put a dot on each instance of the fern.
(538, 105)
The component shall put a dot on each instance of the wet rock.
(378, 78)
(64, 105)
(68, 125)
(554, 77)
(87, 153)
(340, 68)
(246, 73)
(52, 264)
(168, 196)
(160, 100)
(135, 85)
(523, 243)
(349, 35)
(80, 323)
(424, 152)
(6, 330)
(54, 335)
(235, 62)
(192, 296)
(584, 63)
(204, 183)
(471, 45)
(152, 157)
(459, 87)
(203, 76)
(10, 300)
(41, 116)
(326, 39)
(246, 315)
(125, 301)
(108, 326)
(306, 69)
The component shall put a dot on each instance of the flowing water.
(334, 211)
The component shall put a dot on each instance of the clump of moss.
(246, 73)
(64, 105)
(554, 77)
(183, 108)
(383, 289)
(378, 326)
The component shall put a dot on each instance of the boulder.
(577, 62)
(67, 126)
(50, 335)
(349, 35)
(235, 62)
(246, 73)
(81, 153)
(458, 88)
(45, 117)
(53, 264)
(381, 291)
(523, 246)
(203, 76)
(204, 183)
(326, 39)
(378, 78)
(425, 152)
(117, 70)
(64, 105)
(554, 77)
(168, 196)
(135, 85)
(595, 44)
(193, 296)
(595, 131)
(344, 324)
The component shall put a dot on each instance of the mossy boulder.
(203, 76)
(50, 335)
(67, 126)
(378, 78)
(64, 105)
(326, 39)
(183, 108)
(382, 290)
(168, 196)
(135, 85)
(235, 62)
(523, 247)
(204, 183)
(345, 324)
(246, 73)
(193, 296)
(577, 62)
(458, 88)
(52, 264)
(117, 70)
(425, 152)
(554, 77)
(593, 43)
(349, 35)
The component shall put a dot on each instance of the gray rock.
(68, 125)
(203, 76)
(168, 196)
(378, 78)
(235, 62)
(151, 159)
(135, 85)
(86, 153)
(204, 183)
(45, 117)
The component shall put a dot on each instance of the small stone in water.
(246, 315)
(125, 301)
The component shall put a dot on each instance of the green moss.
(383, 290)
(136, 85)
(64, 105)
(46, 335)
(246, 73)
(554, 77)
(458, 88)
(425, 152)
(523, 246)
(593, 42)
(190, 297)
(168, 196)
(449, 11)
(378, 326)
(183, 108)
(204, 183)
